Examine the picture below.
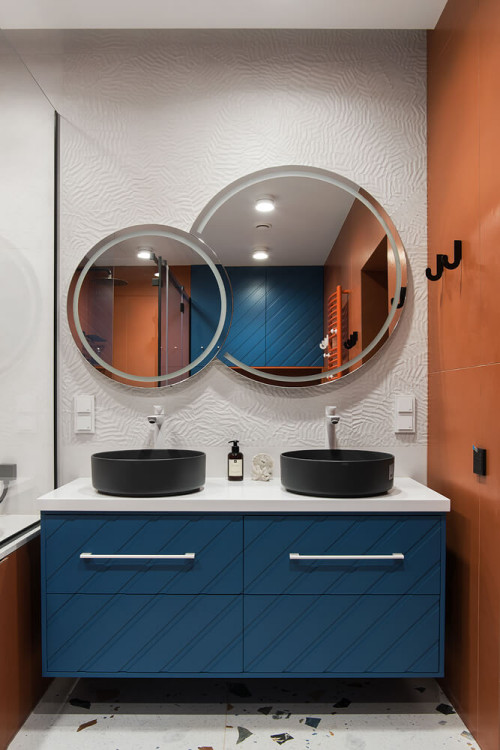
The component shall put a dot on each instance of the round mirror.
(132, 311)
(317, 270)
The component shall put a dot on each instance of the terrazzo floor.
(259, 714)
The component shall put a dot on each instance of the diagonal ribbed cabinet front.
(242, 596)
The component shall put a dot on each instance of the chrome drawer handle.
(394, 556)
(91, 556)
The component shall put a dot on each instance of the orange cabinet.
(21, 683)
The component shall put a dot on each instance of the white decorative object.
(262, 467)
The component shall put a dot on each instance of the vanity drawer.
(124, 634)
(215, 540)
(270, 540)
(343, 635)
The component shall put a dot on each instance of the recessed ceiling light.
(260, 253)
(264, 204)
(145, 253)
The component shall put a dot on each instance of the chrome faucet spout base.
(332, 420)
(156, 421)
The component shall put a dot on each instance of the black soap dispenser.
(235, 463)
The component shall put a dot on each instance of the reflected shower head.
(110, 279)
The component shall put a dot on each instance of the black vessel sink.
(337, 473)
(148, 473)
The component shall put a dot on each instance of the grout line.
(225, 717)
(460, 369)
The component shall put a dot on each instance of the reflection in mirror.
(132, 312)
(318, 276)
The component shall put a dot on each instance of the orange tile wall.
(464, 345)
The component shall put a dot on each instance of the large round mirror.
(136, 306)
(317, 270)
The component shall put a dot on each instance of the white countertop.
(248, 496)
(16, 530)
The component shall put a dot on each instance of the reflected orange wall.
(358, 238)
(183, 276)
(135, 314)
(135, 323)
(464, 345)
(83, 307)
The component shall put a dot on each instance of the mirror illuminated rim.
(195, 243)
(333, 179)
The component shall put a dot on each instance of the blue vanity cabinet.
(342, 636)
(216, 540)
(254, 600)
(270, 539)
(135, 616)
(142, 635)
(379, 614)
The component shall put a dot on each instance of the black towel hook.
(442, 262)
(402, 297)
(352, 340)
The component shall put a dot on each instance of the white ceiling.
(221, 14)
(124, 253)
(307, 218)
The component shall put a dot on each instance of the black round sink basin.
(337, 473)
(148, 473)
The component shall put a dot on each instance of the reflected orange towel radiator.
(334, 331)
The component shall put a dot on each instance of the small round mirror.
(131, 309)
(317, 270)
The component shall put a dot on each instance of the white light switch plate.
(405, 404)
(84, 413)
(405, 414)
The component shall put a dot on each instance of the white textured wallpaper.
(155, 123)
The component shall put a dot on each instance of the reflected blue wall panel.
(294, 316)
(205, 310)
(277, 316)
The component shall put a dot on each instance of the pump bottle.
(235, 463)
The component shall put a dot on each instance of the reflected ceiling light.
(157, 274)
(145, 253)
(260, 253)
(265, 204)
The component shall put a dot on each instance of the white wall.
(155, 123)
(26, 283)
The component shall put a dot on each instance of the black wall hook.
(442, 262)
(352, 340)
(402, 297)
